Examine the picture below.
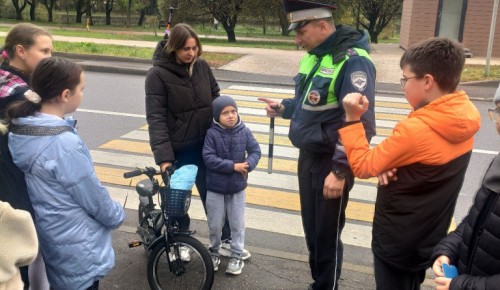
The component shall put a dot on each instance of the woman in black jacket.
(180, 88)
(474, 246)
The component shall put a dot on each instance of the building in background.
(467, 21)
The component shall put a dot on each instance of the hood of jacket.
(492, 177)
(342, 39)
(452, 116)
(238, 127)
(23, 146)
(161, 60)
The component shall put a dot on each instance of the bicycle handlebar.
(149, 171)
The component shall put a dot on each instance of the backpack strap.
(39, 130)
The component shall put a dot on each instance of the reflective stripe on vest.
(320, 94)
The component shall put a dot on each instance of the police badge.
(359, 80)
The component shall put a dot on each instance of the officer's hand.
(333, 187)
(273, 108)
(385, 177)
(355, 105)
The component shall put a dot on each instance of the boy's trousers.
(323, 220)
(232, 205)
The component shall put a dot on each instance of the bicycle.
(162, 239)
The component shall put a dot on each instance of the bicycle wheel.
(165, 271)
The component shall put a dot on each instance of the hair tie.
(5, 55)
(32, 96)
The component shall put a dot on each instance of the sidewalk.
(282, 63)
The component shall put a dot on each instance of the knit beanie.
(496, 98)
(220, 103)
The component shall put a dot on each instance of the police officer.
(336, 63)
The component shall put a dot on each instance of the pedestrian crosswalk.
(272, 199)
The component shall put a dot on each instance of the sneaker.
(234, 267)
(216, 262)
(184, 253)
(225, 250)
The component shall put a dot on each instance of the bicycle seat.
(145, 188)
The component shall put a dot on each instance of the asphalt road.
(279, 259)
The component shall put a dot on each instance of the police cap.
(301, 12)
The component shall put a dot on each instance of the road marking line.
(111, 113)
(259, 219)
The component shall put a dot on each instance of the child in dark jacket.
(473, 246)
(230, 152)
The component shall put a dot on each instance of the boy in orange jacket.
(430, 151)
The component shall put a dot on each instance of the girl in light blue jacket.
(74, 213)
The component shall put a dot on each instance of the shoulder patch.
(359, 80)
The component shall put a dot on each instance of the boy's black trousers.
(323, 220)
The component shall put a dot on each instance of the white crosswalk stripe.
(362, 197)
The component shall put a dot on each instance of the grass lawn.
(214, 59)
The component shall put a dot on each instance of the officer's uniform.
(338, 66)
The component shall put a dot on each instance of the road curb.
(81, 58)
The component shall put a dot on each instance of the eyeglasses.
(494, 114)
(404, 80)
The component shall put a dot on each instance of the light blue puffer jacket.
(74, 213)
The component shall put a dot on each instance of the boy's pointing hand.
(355, 105)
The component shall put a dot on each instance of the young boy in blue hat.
(230, 152)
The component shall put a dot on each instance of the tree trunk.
(49, 12)
(32, 10)
(108, 14)
(141, 18)
(129, 14)
(88, 13)
(374, 36)
(231, 37)
(79, 12)
(19, 10)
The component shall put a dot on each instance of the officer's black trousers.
(323, 220)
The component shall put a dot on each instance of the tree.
(226, 12)
(378, 14)
(19, 7)
(109, 7)
(49, 4)
(88, 12)
(279, 12)
(80, 10)
(32, 9)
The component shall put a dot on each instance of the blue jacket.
(223, 148)
(74, 213)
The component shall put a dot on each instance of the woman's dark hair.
(51, 77)
(22, 34)
(177, 39)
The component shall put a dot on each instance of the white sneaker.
(184, 253)
(215, 262)
(235, 266)
(225, 250)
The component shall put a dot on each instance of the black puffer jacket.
(474, 246)
(178, 106)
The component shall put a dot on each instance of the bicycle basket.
(176, 202)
